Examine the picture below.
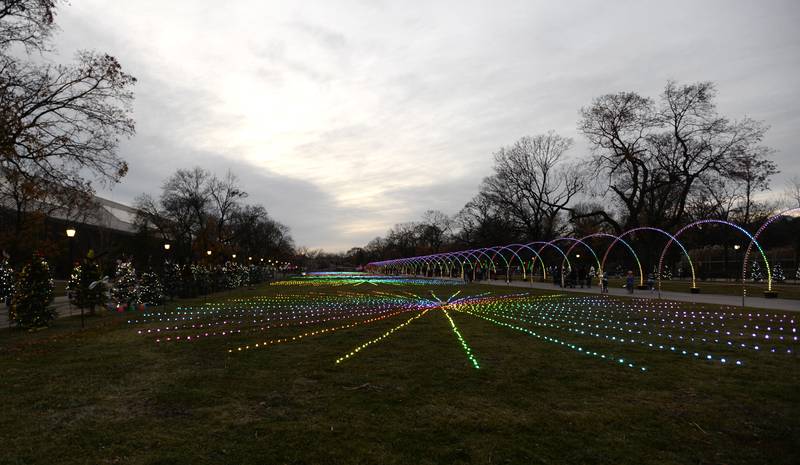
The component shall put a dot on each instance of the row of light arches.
(509, 256)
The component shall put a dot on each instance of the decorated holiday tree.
(124, 292)
(151, 292)
(202, 278)
(777, 273)
(756, 274)
(172, 279)
(666, 273)
(218, 278)
(33, 294)
(253, 275)
(85, 287)
(235, 275)
(189, 287)
(6, 281)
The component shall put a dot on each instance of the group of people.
(571, 278)
(583, 277)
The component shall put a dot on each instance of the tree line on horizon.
(661, 162)
(198, 212)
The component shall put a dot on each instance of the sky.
(344, 118)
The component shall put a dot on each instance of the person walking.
(629, 282)
(603, 283)
(651, 282)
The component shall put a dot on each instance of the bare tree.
(225, 193)
(61, 122)
(26, 22)
(793, 191)
(482, 224)
(751, 171)
(201, 212)
(185, 198)
(60, 125)
(533, 183)
(653, 155)
(433, 229)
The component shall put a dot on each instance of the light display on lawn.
(356, 279)
(622, 332)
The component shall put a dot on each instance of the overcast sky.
(345, 117)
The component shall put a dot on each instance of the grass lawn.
(112, 394)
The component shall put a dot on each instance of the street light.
(167, 246)
(577, 255)
(208, 252)
(233, 256)
(737, 247)
(70, 238)
(250, 258)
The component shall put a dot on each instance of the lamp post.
(70, 238)
(736, 247)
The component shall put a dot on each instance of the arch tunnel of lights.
(529, 258)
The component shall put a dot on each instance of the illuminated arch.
(671, 239)
(481, 251)
(551, 244)
(733, 225)
(485, 252)
(625, 243)
(786, 213)
(533, 259)
(574, 243)
(508, 265)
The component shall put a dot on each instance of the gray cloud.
(346, 118)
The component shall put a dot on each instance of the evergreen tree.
(6, 281)
(33, 295)
(124, 291)
(172, 279)
(253, 275)
(777, 273)
(667, 273)
(202, 278)
(85, 286)
(235, 275)
(151, 292)
(756, 275)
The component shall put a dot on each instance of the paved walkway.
(720, 299)
(61, 304)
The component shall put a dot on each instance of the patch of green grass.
(109, 395)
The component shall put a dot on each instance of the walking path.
(720, 299)
(61, 304)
